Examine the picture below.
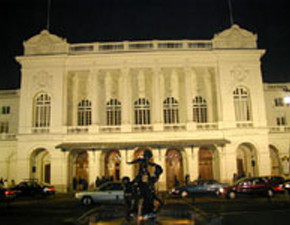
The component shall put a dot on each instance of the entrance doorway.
(205, 164)
(113, 162)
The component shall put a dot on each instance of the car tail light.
(49, 189)
(10, 192)
(278, 188)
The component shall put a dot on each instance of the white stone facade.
(86, 109)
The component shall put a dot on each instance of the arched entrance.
(78, 170)
(246, 161)
(174, 168)
(205, 164)
(40, 165)
(275, 161)
(112, 164)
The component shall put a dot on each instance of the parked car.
(200, 187)
(7, 195)
(276, 182)
(110, 192)
(286, 186)
(250, 186)
(31, 187)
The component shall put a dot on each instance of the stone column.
(159, 156)
(126, 99)
(94, 167)
(188, 99)
(208, 87)
(126, 169)
(59, 170)
(192, 160)
(157, 101)
(75, 99)
(94, 99)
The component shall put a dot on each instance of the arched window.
(199, 110)
(84, 113)
(170, 110)
(41, 110)
(242, 104)
(113, 112)
(142, 111)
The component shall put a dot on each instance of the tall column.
(59, 170)
(159, 156)
(192, 160)
(188, 98)
(208, 87)
(75, 99)
(94, 167)
(157, 101)
(126, 99)
(94, 100)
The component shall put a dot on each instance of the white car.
(110, 192)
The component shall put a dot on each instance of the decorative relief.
(239, 74)
(43, 80)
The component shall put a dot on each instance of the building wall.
(69, 73)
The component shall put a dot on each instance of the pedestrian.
(97, 182)
(176, 181)
(75, 183)
(186, 179)
(235, 177)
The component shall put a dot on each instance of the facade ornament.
(43, 80)
(239, 74)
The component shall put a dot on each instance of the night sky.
(82, 21)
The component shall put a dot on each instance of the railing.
(110, 129)
(7, 136)
(77, 129)
(174, 127)
(206, 126)
(40, 130)
(244, 124)
(279, 129)
(139, 46)
(144, 127)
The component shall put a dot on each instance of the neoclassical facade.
(86, 109)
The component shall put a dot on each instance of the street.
(63, 210)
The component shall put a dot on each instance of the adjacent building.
(200, 106)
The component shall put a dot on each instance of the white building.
(199, 106)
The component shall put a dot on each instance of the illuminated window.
(170, 110)
(4, 127)
(242, 104)
(84, 113)
(113, 112)
(142, 111)
(280, 121)
(41, 110)
(279, 102)
(199, 110)
(6, 110)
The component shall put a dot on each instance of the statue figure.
(140, 194)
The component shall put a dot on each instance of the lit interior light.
(287, 100)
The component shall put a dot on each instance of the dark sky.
(115, 20)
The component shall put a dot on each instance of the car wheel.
(270, 193)
(87, 200)
(184, 194)
(232, 195)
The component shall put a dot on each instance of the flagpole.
(231, 12)
(48, 15)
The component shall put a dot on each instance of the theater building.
(200, 106)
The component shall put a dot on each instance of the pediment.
(45, 43)
(235, 37)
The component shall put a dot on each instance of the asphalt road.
(64, 210)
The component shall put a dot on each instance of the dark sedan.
(200, 187)
(251, 186)
(31, 188)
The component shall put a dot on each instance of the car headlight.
(287, 185)
(221, 190)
